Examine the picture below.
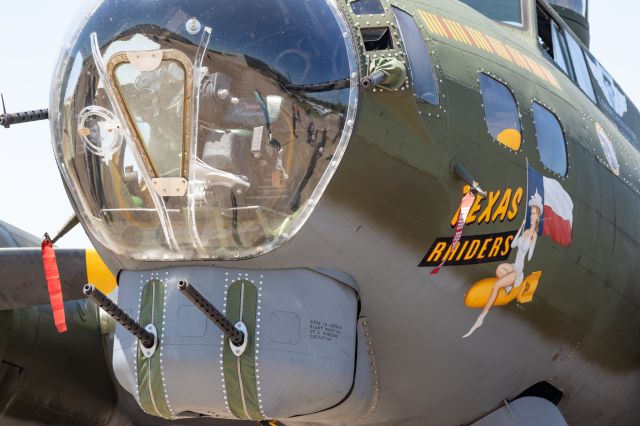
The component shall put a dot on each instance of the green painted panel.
(150, 386)
(240, 372)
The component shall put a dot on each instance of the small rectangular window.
(377, 38)
(551, 143)
(501, 112)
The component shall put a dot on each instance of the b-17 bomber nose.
(202, 130)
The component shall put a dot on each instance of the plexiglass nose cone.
(203, 129)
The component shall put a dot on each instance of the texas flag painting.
(556, 218)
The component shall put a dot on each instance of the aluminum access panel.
(301, 353)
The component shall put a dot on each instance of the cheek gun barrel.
(373, 80)
(146, 338)
(236, 336)
(6, 119)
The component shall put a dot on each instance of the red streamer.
(465, 206)
(53, 284)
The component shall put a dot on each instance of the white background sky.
(32, 32)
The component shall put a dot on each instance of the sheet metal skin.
(301, 353)
(42, 380)
(59, 379)
(393, 194)
(21, 268)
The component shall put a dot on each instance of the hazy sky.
(31, 192)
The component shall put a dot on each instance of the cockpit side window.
(565, 51)
(545, 36)
(551, 142)
(420, 67)
(582, 77)
(561, 51)
(501, 112)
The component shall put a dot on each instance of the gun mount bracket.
(239, 350)
(148, 352)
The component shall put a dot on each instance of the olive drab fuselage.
(336, 285)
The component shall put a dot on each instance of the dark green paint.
(416, 152)
(150, 385)
(394, 188)
(242, 307)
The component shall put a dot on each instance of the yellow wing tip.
(97, 272)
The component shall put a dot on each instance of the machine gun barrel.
(7, 119)
(373, 80)
(146, 338)
(236, 336)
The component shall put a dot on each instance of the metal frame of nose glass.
(165, 56)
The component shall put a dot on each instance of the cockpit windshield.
(505, 11)
(578, 6)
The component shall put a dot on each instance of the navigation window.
(551, 143)
(501, 112)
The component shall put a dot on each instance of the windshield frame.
(121, 58)
(585, 7)
(71, 92)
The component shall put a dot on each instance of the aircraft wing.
(51, 378)
(23, 274)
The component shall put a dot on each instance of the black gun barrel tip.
(182, 284)
(88, 289)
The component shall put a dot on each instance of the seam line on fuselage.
(153, 311)
(242, 398)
